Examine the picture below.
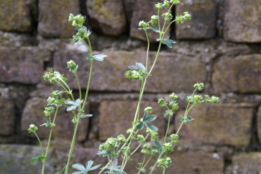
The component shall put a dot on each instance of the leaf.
(45, 124)
(70, 102)
(141, 66)
(78, 172)
(140, 126)
(186, 97)
(158, 144)
(154, 28)
(87, 115)
(95, 167)
(71, 107)
(168, 42)
(89, 164)
(99, 57)
(51, 70)
(181, 118)
(154, 128)
(103, 153)
(79, 167)
(134, 67)
(155, 147)
(145, 115)
(34, 158)
(150, 118)
(58, 92)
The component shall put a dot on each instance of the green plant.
(114, 148)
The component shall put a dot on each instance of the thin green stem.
(155, 164)
(78, 120)
(104, 167)
(80, 91)
(159, 19)
(49, 140)
(39, 143)
(167, 131)
(148, 48)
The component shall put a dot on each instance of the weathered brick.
(17, 159)
(143, 10)
(53, 17)
(240, 74)
(24, 65)
(107, 16)
(219, 124)
(15, 40)
(7, 117)
(33, 114)
(117, 116)
(203, 20)
(259, 123)
(15, 16)
(245, 163)
(172, 72)
(184, 162)
(242, 21)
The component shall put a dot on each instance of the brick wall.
(220, 46)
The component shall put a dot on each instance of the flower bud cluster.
(175, 2)
(126, 151)
(109, 144)
(167, 147)
(154, 19)
(213, 99)
(199, 86)
(167, 16)
(121, 138)
(135, 75)
(148, 109)
(174, 138)
(53, 77)
(144, 25)
(164, 162)
(180, 19)
(77, 21)
(162, 102)
(48, 111)
(154, 135)
(32, 128)
(148, 151)
(141, 139)
(55, 101)
(72, 66)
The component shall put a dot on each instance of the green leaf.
(168, 42)
(134, 67)
(155, 147)
(85, 115)
(95, 167)
(70, 108)
(89, 165)
(181, 118)
(90, 58)
(58, 92)
(39, 158)
(150, 118)
(99, 57)
(145, 115)
(158, 143)
(154, 28)
(51, 70)
(142, 67)
(103, 153)
(140, 126)
(154, 128)
(186, 97)
(64, 79)
(79, 167)
(78, 172)
(45, 124)
(70, 102)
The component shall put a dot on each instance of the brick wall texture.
(220, 47)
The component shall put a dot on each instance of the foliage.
(115, 148)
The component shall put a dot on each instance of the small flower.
(167, 16)
(32, 128)
(173, 96)
(162, 102)
(167, 147)
(141, 138)
(48, 111)
(179, 19)
(187, 17)
(175, 2)
(199, 86)
(159, 6)
(148, 109)
(121, 138)
(72, 66)
(154, 19)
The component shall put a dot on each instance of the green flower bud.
(174, 105)
(166, 3)
(72, 66)
(167, 16)
(175, 2)
(154, 136)
(32, 128)
(154, 19)
(154, 152)
(214, 99)
(71, 17)
(159, 6)
(48, 111)
(76, 39)
(199, 86)
(141, 138)
(187, 16)
(179, 19)
(51, 100)
(164, 163)
(167, 147)
(146, 146)
(174, 137)
(173, 96)
(148, 109)
(145, 151)
(129, 131)
(168, 112)
(162, 102)
(121, 138)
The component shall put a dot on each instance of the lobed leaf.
(99, 57)
(168, 42)
(154, 28)
(85, 115)
(79, 167)
(140, 126)
(154, 128)
(141, 66)
(150, 118)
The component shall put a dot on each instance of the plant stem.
(148, 48)
(167, 131)
(39, 143)
(49, 140)
(78, 120)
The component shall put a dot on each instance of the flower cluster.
(32, 128)
(180, 19)
(48, 111)
(72, 66)
(174, 138)
(164, 162)
(53, 77)
(77, 21)
(135, 75)
(147, 150)
(153, 134)
(109, 144)
(173, 104)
